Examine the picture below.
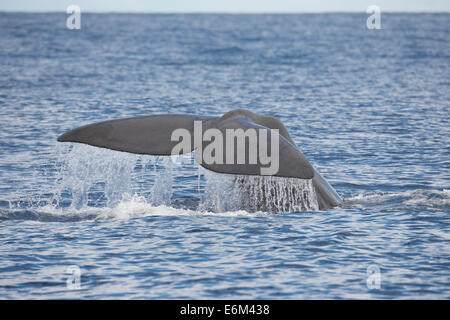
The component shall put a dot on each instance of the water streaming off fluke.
(258, 193)
(91, 176)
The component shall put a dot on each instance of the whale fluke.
(142, 135)
(291, 163)
(153, 135)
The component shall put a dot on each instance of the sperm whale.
(240, 143)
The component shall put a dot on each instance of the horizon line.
(216, 12)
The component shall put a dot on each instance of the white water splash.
(86, 169)
(257, 193)
(161, 192)
(96, 177)
(123, 184)
(134, 207)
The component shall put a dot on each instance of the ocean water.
(369, 108)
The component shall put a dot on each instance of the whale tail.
(154, 135)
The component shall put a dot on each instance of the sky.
(229, 6)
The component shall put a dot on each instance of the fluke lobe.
(240, 142)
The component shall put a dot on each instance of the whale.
(240, 143)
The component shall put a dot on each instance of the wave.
(135, 207)
(417, 199)
(138, 207)
(228, 50)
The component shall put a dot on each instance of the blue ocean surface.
(369, 108)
